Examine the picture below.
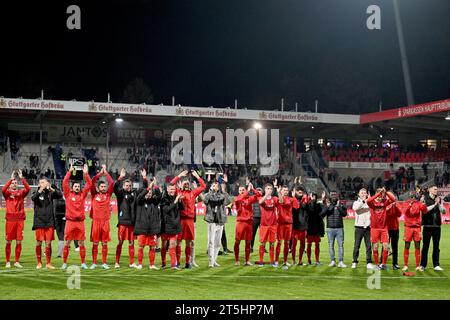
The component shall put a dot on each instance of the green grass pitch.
(225, 282)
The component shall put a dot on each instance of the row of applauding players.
(287, 218)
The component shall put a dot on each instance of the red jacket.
(101, 202)
(378, 210)
(244, 205)
(189, 198)
(392, 215)
(285, 210)
(15, 201)
(413, 218)
(269, 212)
(75, 201)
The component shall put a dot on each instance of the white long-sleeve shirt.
(362, 210)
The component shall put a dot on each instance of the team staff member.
(244, 221)
(148, 222)
(188, 213)
(126, 214)
(299, 224)
(316, 229)
(171, 206)
(44, 220)
(75, 216)
(393, 213)
(413, 218)
(215, 201)
(334, 211)
(101, 214)
(15, 216)
(256, 210)
(362, 228)
(59, 210)
(432, 227)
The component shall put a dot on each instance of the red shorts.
(45, 234)
(147, 240)
(299, 235)
(187, 230)
(168, 237)
(379, 235)
(100, 231)
(244, 230)
(267, 233)
(312, 239)
(412, 234)
(14, 230)
(125, 233)
(74, 231)
(284, 232)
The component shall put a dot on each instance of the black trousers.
(224, 239)
(59, 228)
(429, 233)
(393, 239)
(362, 233)
(256, 223)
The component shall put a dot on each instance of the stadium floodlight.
(312, 127)
(448, 116)
(381, 136)
(257, 125)
(119, 119)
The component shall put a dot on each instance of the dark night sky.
(209, 52)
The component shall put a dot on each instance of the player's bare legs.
(18, 251)
(94, 255)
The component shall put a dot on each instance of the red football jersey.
(285, 210)
(378, 210)
(413, 217)
(244, 205)
(392, 215)
(15, 201)
(269, 212)
(101, 202)
(189, 198)
(75, 201)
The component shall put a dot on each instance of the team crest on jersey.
(98, 198)
(73, 199)
(41, 198)
(11, 196)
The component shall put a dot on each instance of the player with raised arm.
(244, 221)
(299, 224)
(148, 222)
(75, 229)
(15, 216)
(268, 228)
(284, 223)
(44, 220)
(101, 215)
(413, 220)
(379, 231)
(171, 205)
(126, 214)
(188, 213)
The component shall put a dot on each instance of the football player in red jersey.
(268, 228)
